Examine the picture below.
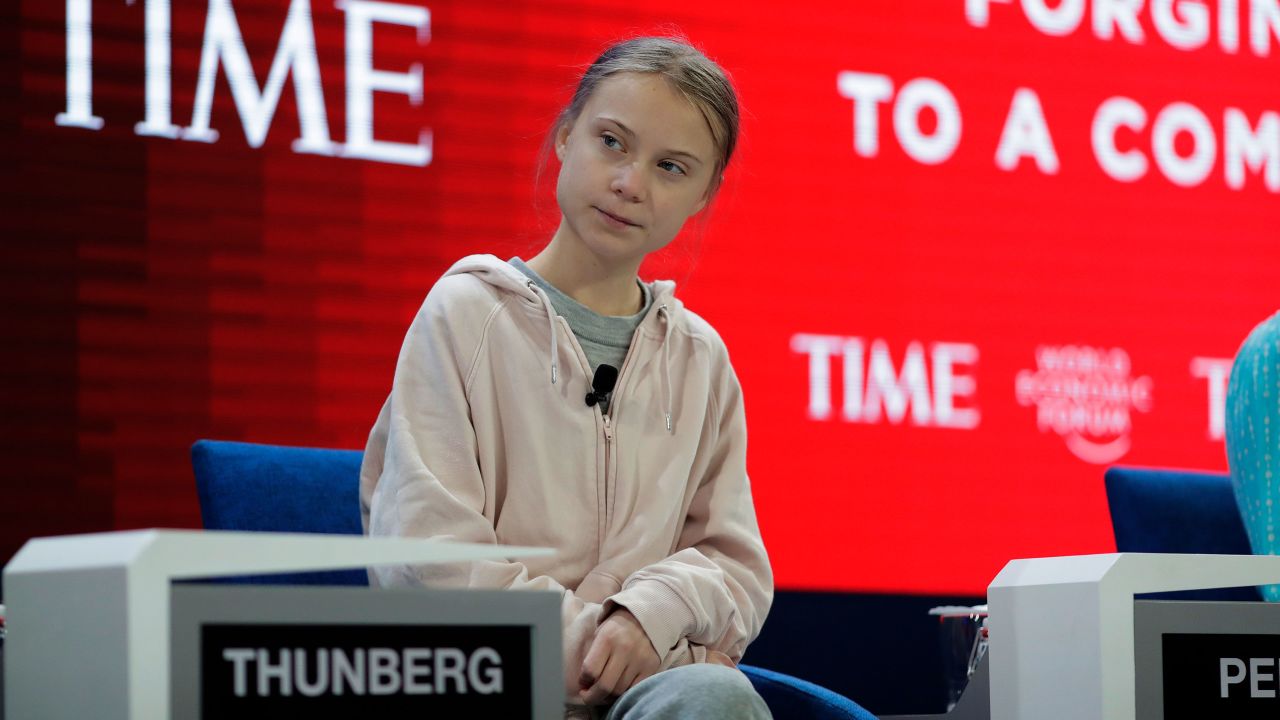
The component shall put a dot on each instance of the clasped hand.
(619, 657)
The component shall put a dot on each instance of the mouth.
(615, 219)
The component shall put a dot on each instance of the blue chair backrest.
(1178, 511)
(247, 486)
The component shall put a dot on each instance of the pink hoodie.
(486, 438)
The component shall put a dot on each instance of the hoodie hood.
(501, 274)
(661, 319)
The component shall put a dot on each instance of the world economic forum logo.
(1087, 397)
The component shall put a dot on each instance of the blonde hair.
(699, 79)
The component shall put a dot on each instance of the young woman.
(493, 433)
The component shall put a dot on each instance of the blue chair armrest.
(790, 698)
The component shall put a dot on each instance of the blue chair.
(1178, 511)
(271, 488)
(247, 486)
(790, 698)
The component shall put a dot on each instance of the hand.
(716, 657)
(620, 656)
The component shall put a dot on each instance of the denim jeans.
(692, 691)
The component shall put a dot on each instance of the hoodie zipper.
(607, 513)
(610, 491)
(608, 463)
(602, 520)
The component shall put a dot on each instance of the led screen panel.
(967, 255)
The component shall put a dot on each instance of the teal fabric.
(1253, 438)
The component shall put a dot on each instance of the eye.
(610, 141)
(672, 167)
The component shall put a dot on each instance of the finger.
(634, 680)
(595, 695)
(611, 678)
(606, 686)
(593, 663)
(719, 658)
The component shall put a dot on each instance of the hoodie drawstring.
(551, 320)
(666, 349)
(666, 366)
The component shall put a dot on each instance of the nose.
(628, 183)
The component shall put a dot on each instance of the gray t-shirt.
(604, 338)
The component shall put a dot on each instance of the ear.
(710, 193)
(562, 139)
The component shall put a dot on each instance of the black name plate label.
(1225, 677)
(282, 670)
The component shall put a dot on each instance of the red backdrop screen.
(969, 254)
